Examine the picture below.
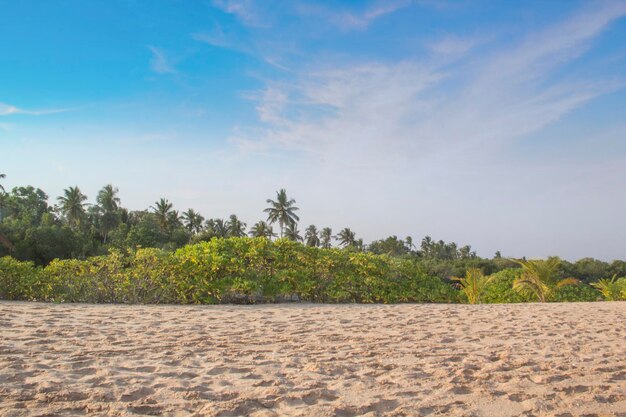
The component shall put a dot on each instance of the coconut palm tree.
(540, 278)
(347, 237)
(73, 206)
(311, 236)
(192, 220)
(236, 228)
(292, 232)
(409, 243)
(282, 210)
(473, 284)
(262, 229)
(164, 213)
(108, 204)
(217, 227)
(326, 237)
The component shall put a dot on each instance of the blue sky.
(498, 124)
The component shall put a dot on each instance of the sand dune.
(313, 360)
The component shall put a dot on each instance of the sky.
(496, 124)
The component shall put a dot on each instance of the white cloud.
(419, 107)
(159, 62)
(8, 110)
(245, 10)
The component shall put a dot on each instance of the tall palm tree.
(163, 212)
(326, 237)
(107, 198)
(282, 210)
(262, 229)
(236, 228)
(192, 220)
(540, 278)
(292, 232)
(409, 243)
(108, 204)
(347, 238)
(73, 205)
(311, 236)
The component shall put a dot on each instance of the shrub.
(18, 280)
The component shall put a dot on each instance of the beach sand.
(313, 360)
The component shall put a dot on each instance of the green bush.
(580, 292)
(500, 288)
(18, 280)
(245, 270)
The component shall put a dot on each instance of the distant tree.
(409, 243)
(326, 236)
(282, 210)
(192, 220)
(108, 204)
(216, 228)
(236, 228)
(540, 278)
(73, 206)
(262, 229)
(164, 213)
(498, 255)
(2, 176)
(347, 237)
(311, 237)
(292, 232)
(390, 246)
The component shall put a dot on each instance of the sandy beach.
(313, 360)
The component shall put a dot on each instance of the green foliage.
(580, 292)
(227, 270)
(540, 279)
(473, 284)
(611, 289)
(500, 287)
(18, 280)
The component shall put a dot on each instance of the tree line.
(34, 229)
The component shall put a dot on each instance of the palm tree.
(217, 227)
(311, 236)
(107, 198)
(292, 232)
(236, 228)
(409, 243)
(612, 289)
(326, 236)
(73, 205)
(540, 278)
(282, 210)
(108, 204)
(2, 176)
(192, 220)
(473, 284)
(347, 237)
(262, 229)
(163, 212)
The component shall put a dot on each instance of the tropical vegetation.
(102, 252)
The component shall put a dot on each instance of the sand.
(313, 360)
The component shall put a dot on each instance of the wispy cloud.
(8, 110)
(159, 62)
(349, 19)
(245, 10)
(360, 113)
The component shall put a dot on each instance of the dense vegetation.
(102, 252)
